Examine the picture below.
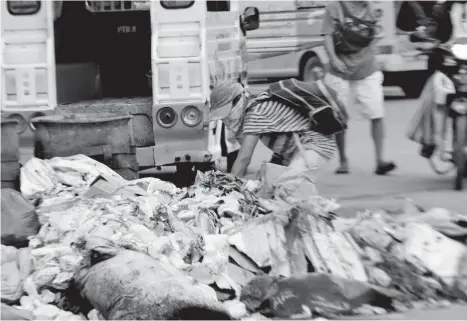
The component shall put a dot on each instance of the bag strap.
(328, 96)
(301, 150)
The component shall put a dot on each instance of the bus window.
(23, 7)
(176, 4)
(216, 6)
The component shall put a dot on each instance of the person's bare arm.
(245, 154)
(328, 28)
(329, 47)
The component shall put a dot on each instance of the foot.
(343, 169)
(385, 167)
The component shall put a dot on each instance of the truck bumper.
(181, 152)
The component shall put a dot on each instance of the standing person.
(282, 128)
(349, 29)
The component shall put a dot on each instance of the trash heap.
(102, 248)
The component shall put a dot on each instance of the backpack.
(353, 34)
(312, 100)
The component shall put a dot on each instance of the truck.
(154, 60)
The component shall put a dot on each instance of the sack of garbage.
(284, 183)
(128, 285)
(19, 219)
(301, 297)
(295, 186)
(267, 175)
(12, 313)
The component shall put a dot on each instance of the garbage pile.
(88, 244)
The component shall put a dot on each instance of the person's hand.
(339, 65)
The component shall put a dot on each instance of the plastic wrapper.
(9, 254)
(12, 285)
(13, 313)
(235, 308)
(37, 176)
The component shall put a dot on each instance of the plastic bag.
(12, 313)
(442, 220)
(8, 254)
(267, 175)
(37, 176)
(294, 186)
(19, 219)
(320, 293)
(12, 285)
(125, 285)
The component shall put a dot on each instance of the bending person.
(277, 125)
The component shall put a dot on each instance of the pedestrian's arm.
(329, 47)
(328, 27)
(245, 154)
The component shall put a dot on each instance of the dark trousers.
(231, 157)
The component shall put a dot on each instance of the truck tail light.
(23, 7)
(191, 116)
(176, 4)
(167, 117)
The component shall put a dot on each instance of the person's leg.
(342, 88)
(231, 158)
(229, 147)
(277, 159)
(370, 98)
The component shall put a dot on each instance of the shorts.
(366, 93)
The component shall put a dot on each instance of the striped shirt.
(276, 122)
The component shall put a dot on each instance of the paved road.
(362, 189)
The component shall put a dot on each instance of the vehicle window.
(23, 7)
(217, 6)
(309, 4)
(176, 4)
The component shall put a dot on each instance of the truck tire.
(311, 69)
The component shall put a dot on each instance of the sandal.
(385, 168)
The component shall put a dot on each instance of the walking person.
(349, 30)
(281, 127)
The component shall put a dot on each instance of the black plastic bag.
(318, 293)
(19, 219)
